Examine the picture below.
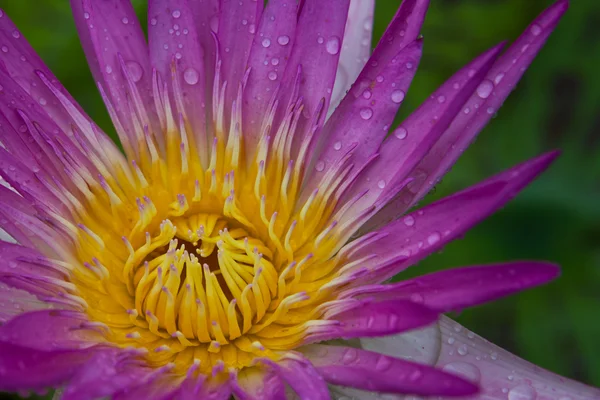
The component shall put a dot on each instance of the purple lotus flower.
(250, 224)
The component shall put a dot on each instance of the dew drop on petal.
(349, 355)
(433, 238)
(409, 220)
(176, 14)
(381, 184)
(86, 15)
(536, 29)
(320, 166)
(153, 21)
(125, 20)
(43, 101)
(522, 392)
(337, 145)
(462, 350)
(367, 94)
(272, 75)
(190, 76)
(4, 49)
(266, 42)
(108, 69)
(441, 99)
(333, 45)
(485, 89)
(283, 40)
(135, 70)
(498, 78)
(466, 370)
(383, 363)
(366, 113)
(397, 96)
(401, 133)
(16, 34)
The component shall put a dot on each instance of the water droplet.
(441, 99)
(490, 110)
(176, 14)
(125, 20)
(190, 76)
(43, 101)
(494, 356)
(409, 65)
(266, 42)
(251, 28)
(536, 29)
(379, 78)
(467, 110)
(466, 370)
(462, 350)
(275, 61)
(409, 220)
(214, 23)
(381, 184)
(401, 133)
(333, 45)
(337, 145)
(415, 375)
(272, 75)
(108, 69)
(366, 113)
(397, 96)
(498, 78)
(320, 40)
(433, 238)
(153, 21)
(522, 392)
(320, 166)
(283, 40)
(382, 363)
(16, 34)
(367, 94)
(451, 340)
(4, 49)
(135, 70)
(485, 89)
(349, 355)
(86, 15)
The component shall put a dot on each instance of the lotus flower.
(242, 242)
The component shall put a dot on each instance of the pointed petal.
(317, 51)
(477, 112)
(498, 373)
(302, 376)
(404, 242)
(62, 330)
(268, 61)
(347, 366)
(459, 288)
(109, 31)
(237, 26)
(356, 48)
(178, 57)
(368, 318)
(402, 150)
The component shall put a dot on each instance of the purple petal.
(363, 118)
(174, 43)
(268, 60)
(356, 48)
(237, 26)
(109, 32)
(18, 260)
(404, 242)
(301, 375)
(402, 150)
(458, 288)
(477, 112)
(14, 302)
(347, 366)
(22, 368)
(500, 374)
(62, 330)
(317, 50)
(368, 318)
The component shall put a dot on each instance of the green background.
(556, 105)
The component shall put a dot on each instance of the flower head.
(248, 218)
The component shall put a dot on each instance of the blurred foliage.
(556, 105)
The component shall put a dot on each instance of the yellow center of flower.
(210, 262)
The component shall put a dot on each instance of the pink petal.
(459, 288)
(404, 242)
(348, 366)
(403, 149)
(476, 113)
(110, 32)
(237, 27)
(268, 60)
(178, 57)
(501, 375)
(356, 48)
